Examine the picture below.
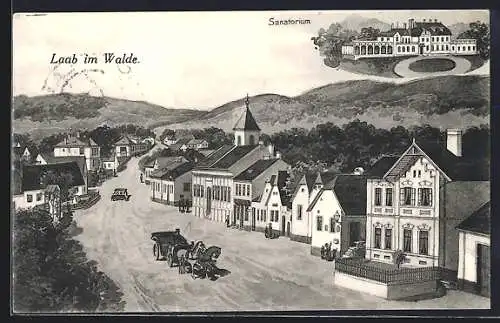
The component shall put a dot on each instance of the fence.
(92, 198)
(361, 268)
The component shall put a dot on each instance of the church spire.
(247, 131)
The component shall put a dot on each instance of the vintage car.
(168, 245)
(120, 194)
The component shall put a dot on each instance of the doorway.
(483, 270)
(288, 229)
(253, 220)
(283, 222)
(354, 232)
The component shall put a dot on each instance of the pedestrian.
(182, 268)
(322, 251)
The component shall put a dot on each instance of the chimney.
(404, 25)
(178, 231)
(454, 141)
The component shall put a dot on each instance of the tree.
(167, 133)
(65, 180)
(329, 43)
(51, 271)
(369, 33)
(481, 33)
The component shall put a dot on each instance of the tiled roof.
(173, 170)
(255, 170)
(403, 165)
(435, 28)
(32, 174)
(80, 160)
(479, 221)
(164, 162)
(124, 140)
(246, 122)
(217, 155)
(325, 177)
(16, 184)
(381, 166)
(232, 157)
(466, 168)
(72, 141)
(350, 190)
(280, 180)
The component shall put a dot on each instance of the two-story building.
(76, 146)
(309, 185)
(172, 182)
(259, 205)
(338, 212)
(279, 204)
(426, 37)
(128, 147)
(197, 144)
(248, 185)
(213, 177)
(416, 200)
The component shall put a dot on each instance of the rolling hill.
(42, 115)
(357, 22)
(446, 101)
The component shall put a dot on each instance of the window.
(388, 238)
(299, 212)
(397, 38)
(29, 198)
(468, 47)
(413, 48)
(187, 187)
(265, 214)
(332, 225)
(408, 196)
(95, 151)
(414, 173)
(452, 47)
(38, 197)
(423, 242)
(246, 214)
(378, 237)
(378, 196)
(319, 223)
(427, 47)
(407, 240)
(425, 196)
(229, 194)
(419, 173)
(432, 38)
(82, 151)
(388, 196)
(248, 190)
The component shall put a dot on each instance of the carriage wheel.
(156, 252)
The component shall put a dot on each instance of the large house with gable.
(338, 213)
(416, 200)
(171, 182)
(426, 37)
(248, 185)
(213, 184)
(308, 186)
(77, 146)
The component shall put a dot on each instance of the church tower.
(246, 130)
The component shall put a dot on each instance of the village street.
(265, 274)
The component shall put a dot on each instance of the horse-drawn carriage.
(193, 258)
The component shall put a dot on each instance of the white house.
(171, 183)
(278, 204)
(76, 146)
(197, 144)
(259, 204)
(415, 201)
(127, 146)
(415, 38)
(33, 191)
(248, 185)
(474, 264)
(213, 178)
(338, 213)
(309, 185)
(169, 140)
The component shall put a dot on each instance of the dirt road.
(265, 274)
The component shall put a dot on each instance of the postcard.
(250, 161)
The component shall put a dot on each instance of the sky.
(195, 60)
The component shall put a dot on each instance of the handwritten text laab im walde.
(107, 58)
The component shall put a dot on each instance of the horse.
(198, 248)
